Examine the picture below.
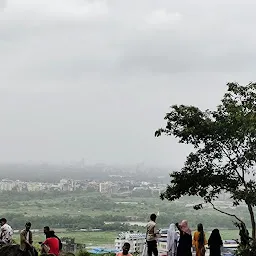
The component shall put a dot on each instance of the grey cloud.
(94, 78)
(2, 5)
(130, 42)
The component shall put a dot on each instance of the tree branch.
(229, 214)
(241, 177)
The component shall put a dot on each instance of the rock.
(12, 250)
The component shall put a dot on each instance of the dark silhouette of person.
(215, 243)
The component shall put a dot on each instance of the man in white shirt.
(6, 232)
(151, 238)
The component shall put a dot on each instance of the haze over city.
(89, 89)
(94, 79)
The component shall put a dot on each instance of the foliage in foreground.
(224, 155)
(83, 253)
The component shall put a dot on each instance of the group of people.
(181, 245)
(177, 245)
(51, 245)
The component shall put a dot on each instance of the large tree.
(224, 155)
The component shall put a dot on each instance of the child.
(125, 252)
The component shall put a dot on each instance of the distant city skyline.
(81, 163)
(107, 186)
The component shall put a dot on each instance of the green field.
(88, 238)
(227, 234)
(107, 238)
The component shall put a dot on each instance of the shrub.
(83, 253)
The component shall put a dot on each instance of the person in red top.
(51, 245)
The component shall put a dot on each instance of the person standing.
(151, 236)
(185, 241)
(215, 243)
(6, 232)
(26, 240)
(172, 239)
(199, 240)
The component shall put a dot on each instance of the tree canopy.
(224, 155)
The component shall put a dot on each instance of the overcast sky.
(94, 78)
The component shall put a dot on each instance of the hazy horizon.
(93, 79)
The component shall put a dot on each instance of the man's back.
(60, 243)
(53, 244)
(151, 231)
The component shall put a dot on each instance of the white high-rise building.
(105, 187)
(136, 240)
(7, 185)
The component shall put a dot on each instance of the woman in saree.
(199, 240)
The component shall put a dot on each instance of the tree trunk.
(252, 222)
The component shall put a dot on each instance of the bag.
(46, 248)
(202, 251)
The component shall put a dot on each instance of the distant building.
(67, 185)
(124, 189)
(36, 186)
(94, 185)
(136, 240)
(105, 187)
(108, 188)
(155, 191)
(69, 245)
(162, 241)
(7, 185)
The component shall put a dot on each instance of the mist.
(94, 79)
